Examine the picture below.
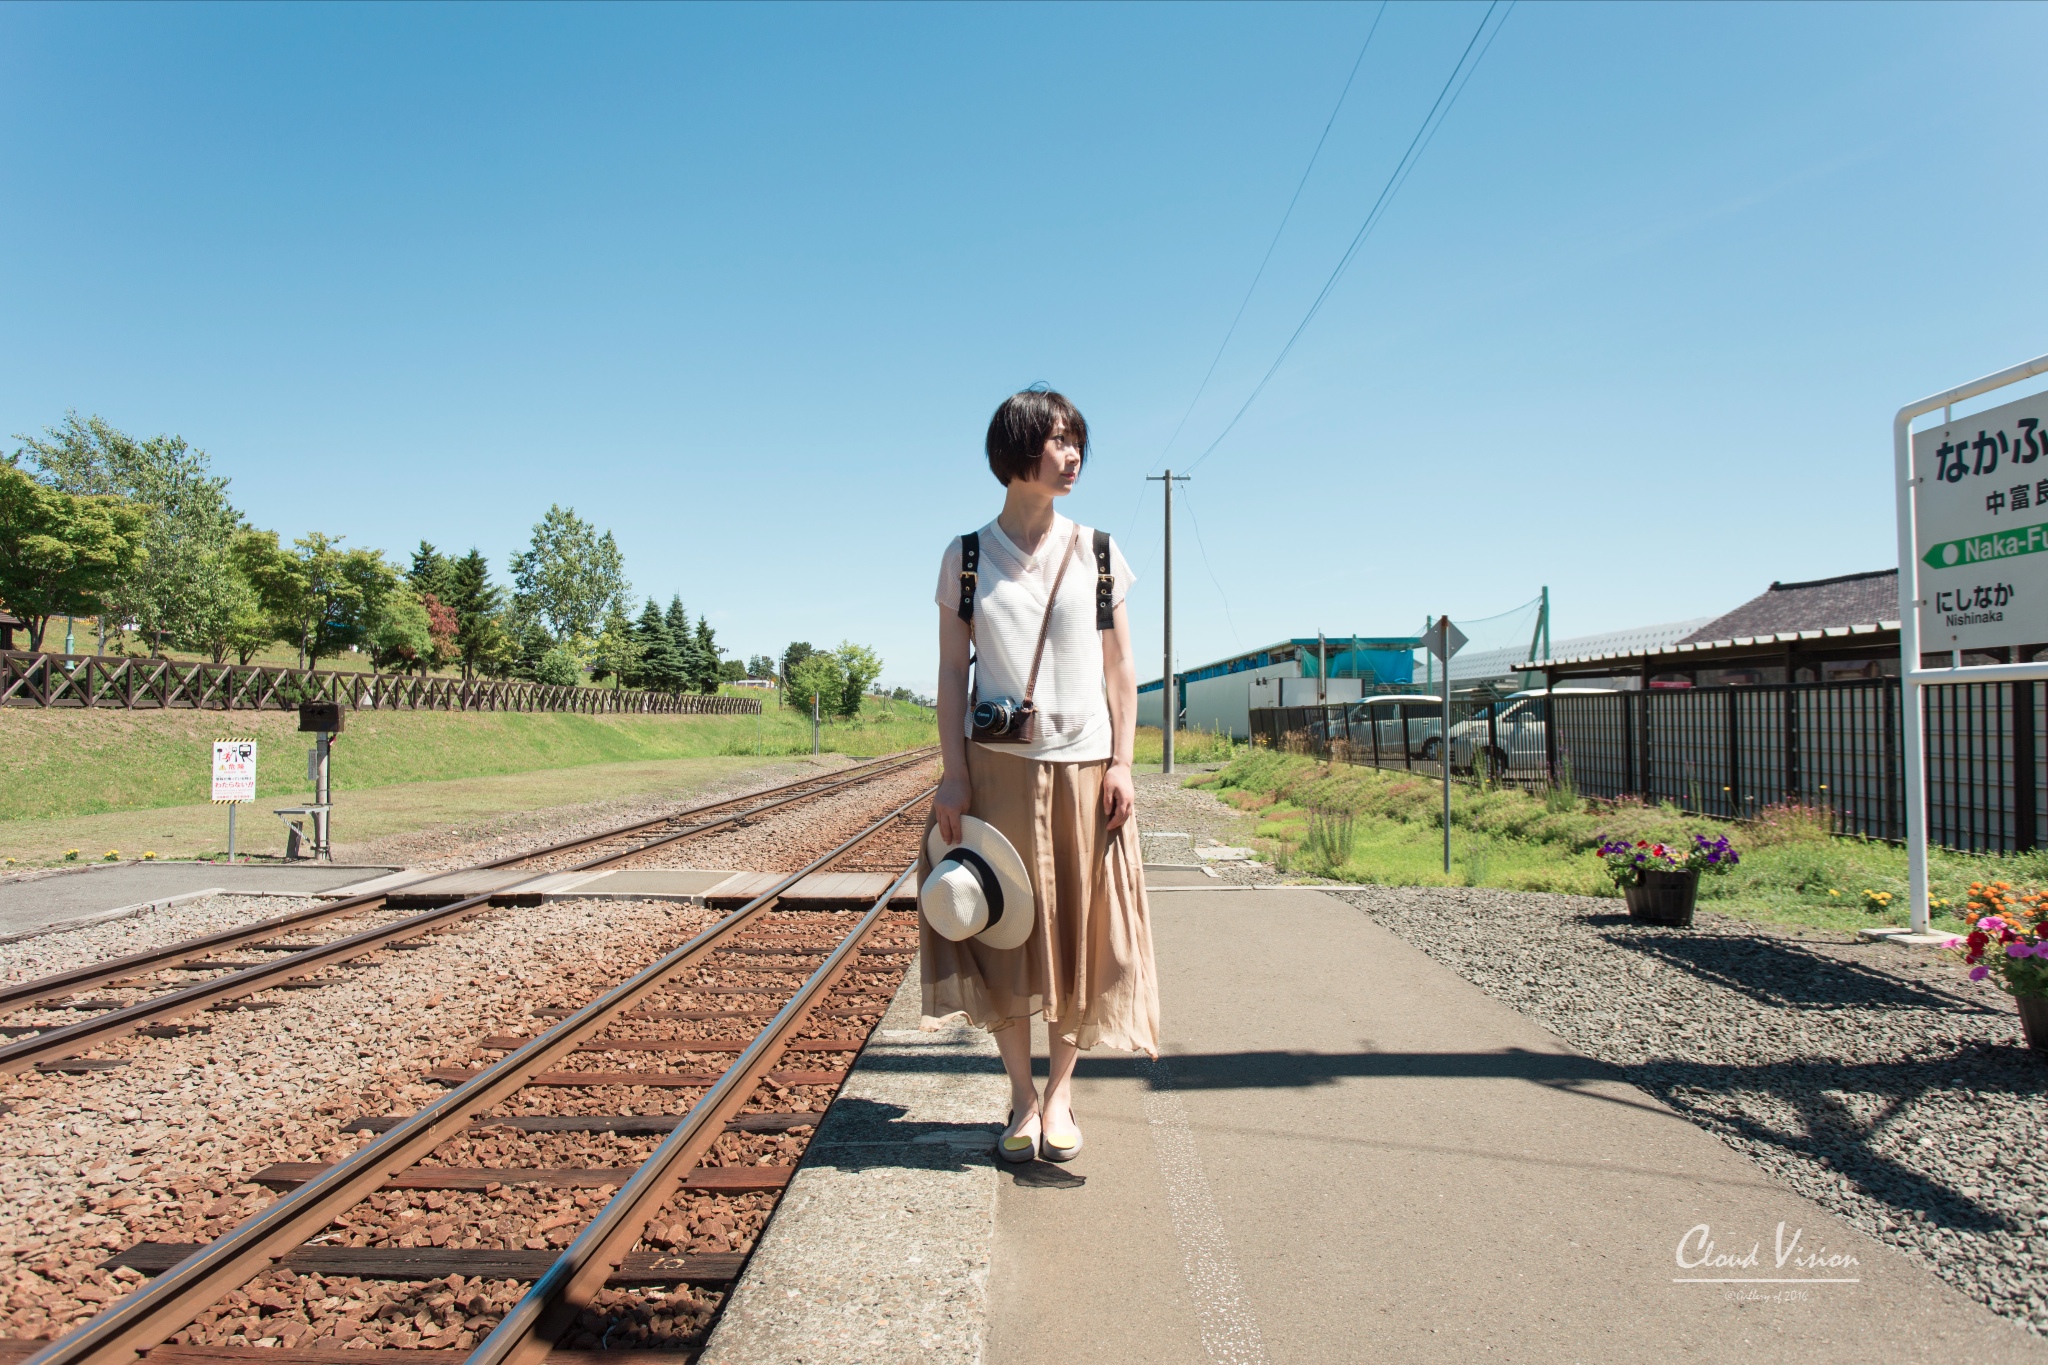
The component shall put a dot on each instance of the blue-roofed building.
(1219, 696)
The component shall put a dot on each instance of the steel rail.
(531, 1328)
(70, 1038)
(14, 998)
(169, 1303)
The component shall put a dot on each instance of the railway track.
(761, 1014)
(54, 1044)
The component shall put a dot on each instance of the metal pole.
(814, 722)
(1169, 717)
(1443, 745)
(1322, 670)
(323, 797)
(1169, 698)
(231, 832)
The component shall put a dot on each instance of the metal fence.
(99, 680)
(1732, 751)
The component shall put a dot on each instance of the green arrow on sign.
(2021, 540)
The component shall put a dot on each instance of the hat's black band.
(991, 886)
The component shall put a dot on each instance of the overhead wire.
(1423, 134)
(1266, 260)
(1278, 232)
(1196, 521)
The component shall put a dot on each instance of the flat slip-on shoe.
(1028, 1137)
(1051, 1148)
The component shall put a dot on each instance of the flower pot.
(2034, 1020)
(1664, 897)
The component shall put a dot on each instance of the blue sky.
(744, 284)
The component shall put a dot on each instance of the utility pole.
(1169, 695)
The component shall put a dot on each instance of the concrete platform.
(879, 1251)
(1347, 1153)
(48, 904)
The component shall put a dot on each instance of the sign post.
(1973, 562)
(234, 779)
(1445, 640)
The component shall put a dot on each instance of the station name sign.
(1981, 528)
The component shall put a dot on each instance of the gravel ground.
(1167, 808)
(1876, 1080)
(163, 1148)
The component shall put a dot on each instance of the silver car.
(1516, 725)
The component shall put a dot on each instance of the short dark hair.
(1018, 432)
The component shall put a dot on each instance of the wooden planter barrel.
(1664, 897)
(2034, 1021)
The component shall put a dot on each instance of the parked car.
(1516, 725)
(1417, 731)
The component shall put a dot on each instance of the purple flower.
(1979, 973)
(2019, 950)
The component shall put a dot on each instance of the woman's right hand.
(951, 803)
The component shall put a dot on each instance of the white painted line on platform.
(1230, 1331)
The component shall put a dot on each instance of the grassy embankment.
(1792, 871)
(138, 780)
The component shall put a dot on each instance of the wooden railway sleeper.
(35, 994)
(148, 1317)
(169, 1006)
(549, 1308)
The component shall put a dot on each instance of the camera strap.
(1045, 626)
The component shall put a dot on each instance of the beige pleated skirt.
(1087, 966)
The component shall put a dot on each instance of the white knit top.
(1009, 604)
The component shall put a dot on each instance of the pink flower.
(1991, 924)
(1979, 973)
(1953, 943)
(2018, 950)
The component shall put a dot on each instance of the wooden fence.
(104, 680)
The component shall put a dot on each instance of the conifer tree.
(660, 668)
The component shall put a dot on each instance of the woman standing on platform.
(1037, 796)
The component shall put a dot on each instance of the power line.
(1372, 218)
(1266, 260)
(1189, 503)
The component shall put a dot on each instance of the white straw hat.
(978, 887)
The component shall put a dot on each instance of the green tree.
(798, 651)
(732, 670)
(530, 645)
(569, 576)
(189, 523)
(224, 613)
(478, 605)
(759, 666)
(559, 668)
(431, 572)
(661, 667)
(861, 666)
(708, 672)
(62, 554)
(618, 649)
(820, 675)
(401, 636)
(318, 594)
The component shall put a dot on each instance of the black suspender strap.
(970, 563)
(1105, 585)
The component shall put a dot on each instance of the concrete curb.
(879, 1251)
(121, 912)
